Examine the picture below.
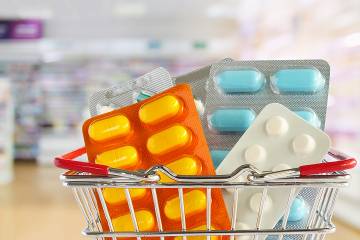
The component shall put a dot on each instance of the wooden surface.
(35, 207)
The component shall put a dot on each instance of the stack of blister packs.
(269, 114)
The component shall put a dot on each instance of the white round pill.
(255, 201)
(303, 144)
(242, 226)
(242, 179)
(199, 106)
(276, 126)
(280, 167)
(255, 154)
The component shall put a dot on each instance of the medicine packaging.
(198, 80)
(164, 129)
(237, 91)
(277, 139)
(130, 92)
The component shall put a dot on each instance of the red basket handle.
(344, 163)
(66, 161)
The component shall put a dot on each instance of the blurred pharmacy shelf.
(6, 129)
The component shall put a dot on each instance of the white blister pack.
(130, 92)
(278, 139)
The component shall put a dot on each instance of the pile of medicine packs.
(269, 114)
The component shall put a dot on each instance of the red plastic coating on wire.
(67, 162)
(327, 167)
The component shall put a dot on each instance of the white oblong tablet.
(255, 154)
(255, 201)
(280, 167)
(242, 226)
(303, 144)
(276, 126)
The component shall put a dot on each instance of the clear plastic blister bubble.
(130, 92)
(198, 80)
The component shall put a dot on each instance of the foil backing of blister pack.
(198, 80)
(255, 101)
(128, 92)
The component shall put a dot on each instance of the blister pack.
(164, 129)
(277, 139)
(130, 92)
(198, 80)
(238, 90)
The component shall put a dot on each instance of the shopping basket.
(324, 179)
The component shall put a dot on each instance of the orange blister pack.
(162, 130)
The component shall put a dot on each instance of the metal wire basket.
(87, 180)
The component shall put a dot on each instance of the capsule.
(309, 116)
(160, 109)
(299, 210)
(231, 119)
(202, 227)
(194, 202)
(218, 156)
(109, 128)
(240, 81)
(145, 221)
(183, 166)
(168, 140)
(302, 80)
(117, 196)
(122, 157)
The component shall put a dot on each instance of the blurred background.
(54, 54)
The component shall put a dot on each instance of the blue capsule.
(310, 117)
(240, 81)
(302, 80)
(218, 156)
(231, 119)
(298, 210)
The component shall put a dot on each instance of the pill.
(303, 144)
(168, 140)
(115, 195)
(255, 154)
(242, 226)
(183, 166)
(306, 80)
(217, 156)
(194, 202)
(144, 218)
(240, 81)
(202, 227)
(160, 109)
(231, 119)
(199, 106)
(109, 128)
(310, 117)
(276, 126)
(298, 210)
(122, 157)
(255, 201)
(280, 167)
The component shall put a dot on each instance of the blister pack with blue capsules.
(198, 80)
(237, 91)
(130, 92)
